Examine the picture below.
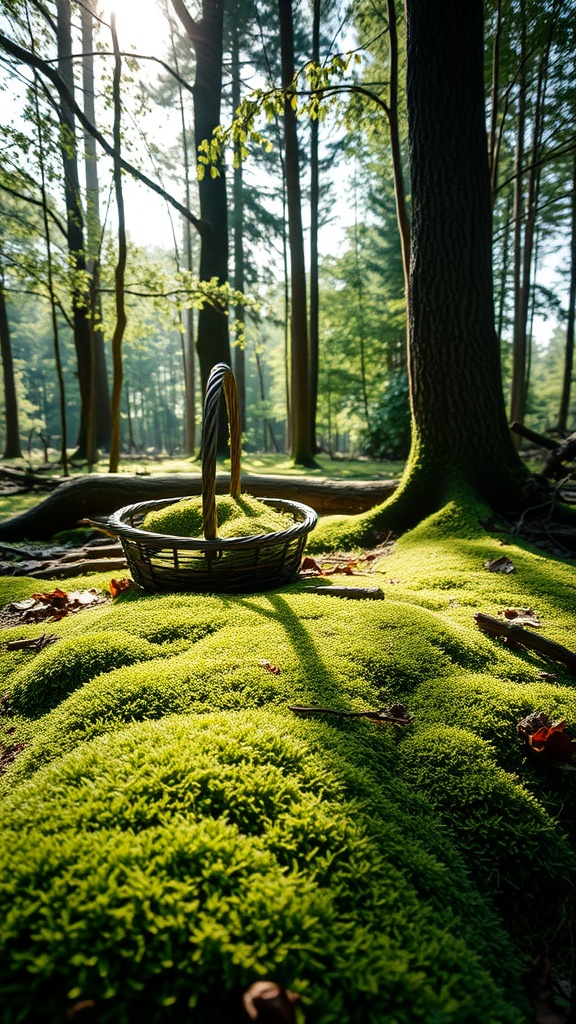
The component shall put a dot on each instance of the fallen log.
(534, 641)
(100, 494)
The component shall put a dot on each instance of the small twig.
(519, 635)
(396, 713)
(352, 593)
(32, 643)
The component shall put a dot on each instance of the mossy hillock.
(171, 831)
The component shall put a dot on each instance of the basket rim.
(145, 538)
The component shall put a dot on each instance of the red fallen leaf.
(57, 598)
(545, 740)
(346, 570)
(310, 565)
(522, 616)
(270, 667)
(117, 586)
(501, 564)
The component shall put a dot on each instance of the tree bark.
(301, 432)
(205, 34)
(12, 449)
(100, 494)
(75, 229)
(100, 398)
(120, 269)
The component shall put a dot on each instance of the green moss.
(172, 831)
(180, 860)
(237, 517)
(62, 668)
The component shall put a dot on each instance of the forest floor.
(176, 825)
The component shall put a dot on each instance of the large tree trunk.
(456, 388)
(301, 431)
(12, 449)
(460, 436)
(205, 34)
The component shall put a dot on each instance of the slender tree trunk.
(188, 338)
(12, 449)
(51, 290)
(300, 375)
(120, 264)
(314, 225)
(238, 219)
(99, 419)
(518, 384)
(494, 92)
(205, 34)
(569, 350)
(524, 251)
(75, 229)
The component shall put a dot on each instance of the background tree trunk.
(75, 230)
(301, 432)
(12, 449)
(99, 394)
(205, 34)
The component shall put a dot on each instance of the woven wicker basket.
(243, 564)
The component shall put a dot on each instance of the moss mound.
(237, 517)
(59, 670)
(180, 859)
(172, 832)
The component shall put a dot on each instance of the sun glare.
(140, 24)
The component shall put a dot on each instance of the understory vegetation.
(171, 831)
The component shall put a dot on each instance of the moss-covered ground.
(171, 831)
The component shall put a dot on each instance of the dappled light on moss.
(173, 807)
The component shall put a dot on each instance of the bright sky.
(143, 27)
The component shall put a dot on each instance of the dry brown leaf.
(117, 586)
(270, 667)
(501, 564)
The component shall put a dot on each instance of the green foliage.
(387, 434)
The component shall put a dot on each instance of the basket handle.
(221, 379)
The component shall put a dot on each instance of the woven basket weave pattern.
(242, 564)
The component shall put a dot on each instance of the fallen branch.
(99, 494)
(542, 440)
(352, 593)
(534, 641)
